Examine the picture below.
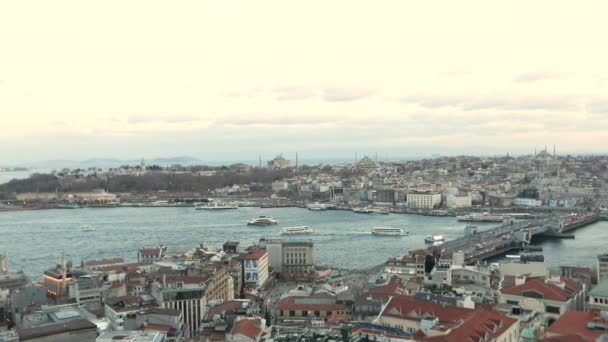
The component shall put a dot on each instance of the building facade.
(423, 200)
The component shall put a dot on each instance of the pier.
(512, 235)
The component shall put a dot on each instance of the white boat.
(262, 221)
(316, 207)
(383, 211)
(363, 210)
(434, 238)
(387, 231)
(297, 230)
(87, 228)
(216, 206)
(483, 217)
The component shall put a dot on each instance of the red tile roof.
(407, 307)
(299, 303)
(483, 325)
(256, 254)
(229, 306)
(566, 338)
(394, 286)
(575, 323)
(247, 327)
(548, 290)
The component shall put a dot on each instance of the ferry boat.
(216, 206)
(387, 231)
(262, 221)
(316, 207)
(363, 210)
(383, 211)
(434, 238)
(483, 217)
(297, 230)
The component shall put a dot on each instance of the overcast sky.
(228, 79)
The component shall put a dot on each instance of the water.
(34, 240)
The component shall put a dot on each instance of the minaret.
(260, 160)
(64, 273)
(553, 150)
(296, 160)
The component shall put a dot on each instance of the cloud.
(335, 94)
(598, 107)
(281, 121)
(293, 93)
(170, 119)
(534, 76)
(493, 101)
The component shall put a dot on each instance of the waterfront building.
(255, 269)
(150, 255)
(423, 200)
(455, 201)
(550, 297)
(602, 267)
(94, 265)
(298, 259)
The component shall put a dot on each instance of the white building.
(280, 186)
(256, 269)
(423, 200)
(527, 202)
(458, 201)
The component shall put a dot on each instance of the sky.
(226, 80)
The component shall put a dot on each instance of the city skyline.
(224, 81)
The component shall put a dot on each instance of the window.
(512, 302)
(552, 309)
(292, 313)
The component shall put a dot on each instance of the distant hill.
(111, 163)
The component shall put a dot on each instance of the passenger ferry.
(434, 238)
(387, 231)
(216, 206)
(316, 207)
(262, 221)
(363, 210)
(297, 230)
(383, 211)
(483, 217)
